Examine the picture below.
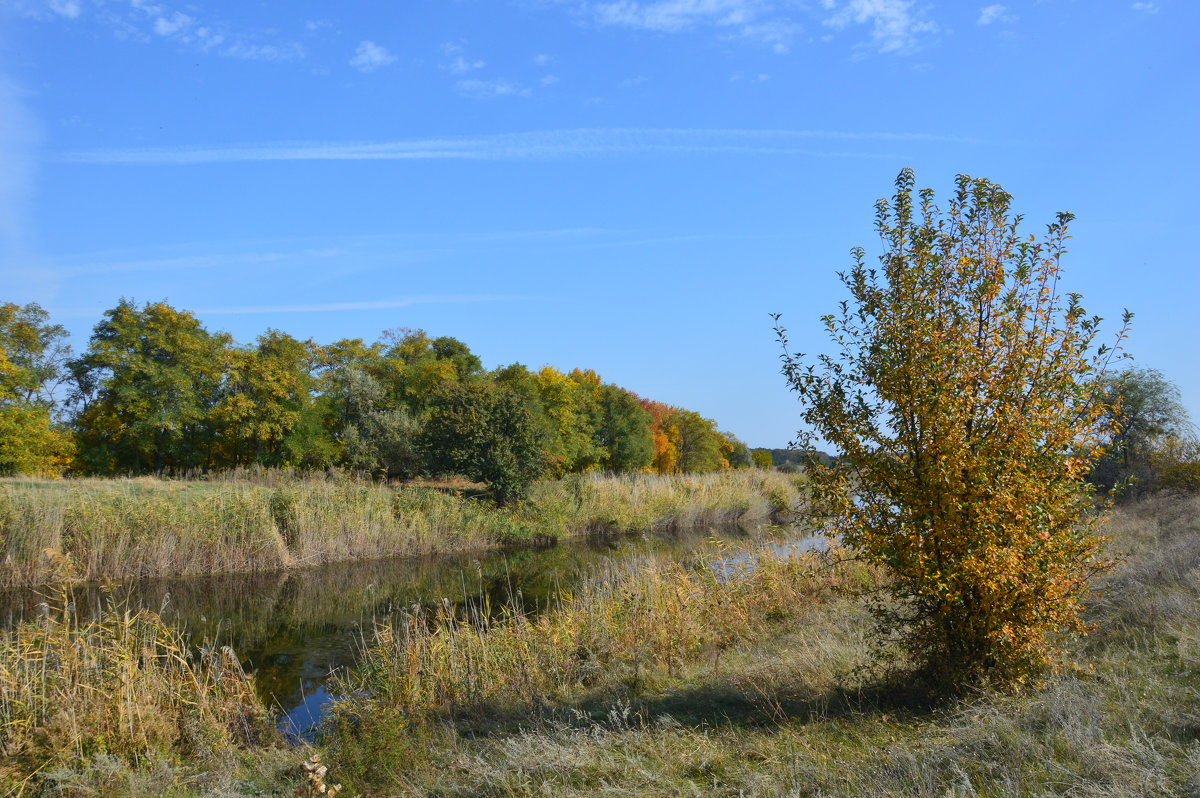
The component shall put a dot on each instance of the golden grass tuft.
(124, 686)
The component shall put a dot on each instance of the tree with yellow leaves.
(962, 397)
(32, 353)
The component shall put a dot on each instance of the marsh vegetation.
(652, 678)
(115, 529)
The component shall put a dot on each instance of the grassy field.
(112, 529)
(719, 679)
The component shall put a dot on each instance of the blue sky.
(630, 186)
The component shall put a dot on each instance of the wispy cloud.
(1145, 8)
(895, 27)
(995, 13)
(459, 64)
(147, 21)
(675, 15)
(481, 88)
(541, 145)
(762, 21)
(326, 307)
(489, 88)
(379, 304)
(65, 8)
(191, 263)
(369, 56)
(43, 9)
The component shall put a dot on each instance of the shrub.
(963, 400)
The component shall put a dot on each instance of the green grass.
(112, 529)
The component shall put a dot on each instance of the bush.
(963, 401)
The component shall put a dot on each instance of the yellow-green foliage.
(94, 529)
(963, 401)
(125, 686)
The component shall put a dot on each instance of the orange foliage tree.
(664, 431)
(962, 397)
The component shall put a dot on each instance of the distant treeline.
(788, 459)
(157, 392)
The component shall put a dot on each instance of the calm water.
(293, 629)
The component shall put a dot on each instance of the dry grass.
(95, 529)
(125, 686)
(624, 632)
(619, 691)
(792, 711)
(621, 625)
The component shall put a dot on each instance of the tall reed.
(124, 686)
(628, 624)
(93, 529)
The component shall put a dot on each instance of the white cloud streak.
(381, 304)
(537, 145)
(208, 262)
(327, 307)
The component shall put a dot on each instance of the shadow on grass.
(721, 703)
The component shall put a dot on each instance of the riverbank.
(716, 679)
(116, 529)
(797, 709)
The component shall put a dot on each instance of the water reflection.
(292, 629)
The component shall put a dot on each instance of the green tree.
(145, 390)
(623, 431)
(485, 432)
(568, 402)
(962, 400)
(32, 355)
(1146, 416)
(737, 453)
(414, 366)
(761, 458)
(264, 392)
(701, 447)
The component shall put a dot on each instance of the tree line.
(157, 392)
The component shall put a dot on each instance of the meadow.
(729, 676)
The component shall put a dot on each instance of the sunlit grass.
(95, 529)
(653, 680)
(125, 686)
